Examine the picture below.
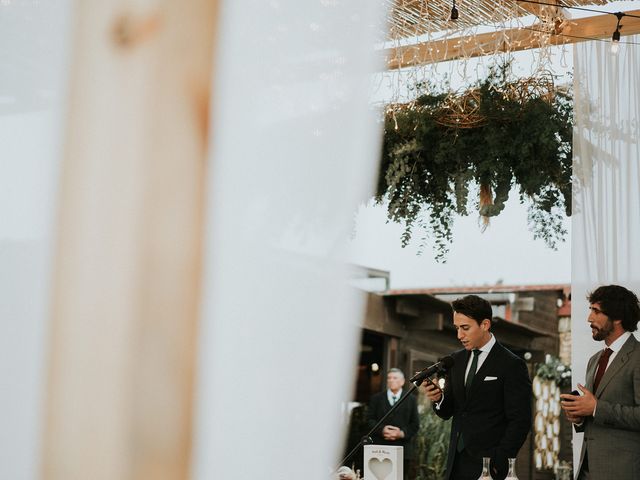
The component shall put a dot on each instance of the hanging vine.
(443, 146)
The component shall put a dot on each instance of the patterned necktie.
(602, 366)
(472, 370)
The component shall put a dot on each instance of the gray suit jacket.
(612, 436)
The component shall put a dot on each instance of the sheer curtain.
(295, 146)
(33, 56)
(606, 199)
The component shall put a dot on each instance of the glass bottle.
(486, 464)
(512, 470)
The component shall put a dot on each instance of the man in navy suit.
(488, 394)
(402, 424)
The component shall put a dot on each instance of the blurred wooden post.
(122, 344)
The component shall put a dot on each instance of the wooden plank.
(543, 11)
(548, 14)
(126, 280)
(516, 39)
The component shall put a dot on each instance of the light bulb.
(615, 38)
(615, 42)
(454, 11)
(615, 46)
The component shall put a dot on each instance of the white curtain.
(295, 146)
(33, 55)
(606, 199)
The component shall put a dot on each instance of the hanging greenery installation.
(443, 148)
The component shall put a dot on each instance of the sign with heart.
(383, 462)
(380, 468)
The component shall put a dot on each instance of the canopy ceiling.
(410, 18)
(412, 21)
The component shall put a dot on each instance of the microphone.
(444, 364)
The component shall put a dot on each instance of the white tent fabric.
(606, 199)
(295, 146)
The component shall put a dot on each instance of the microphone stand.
(366, 440)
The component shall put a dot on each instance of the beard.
(602, 333)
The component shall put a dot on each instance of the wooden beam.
(543, 12)
(426, 321)
(516, 39)
(126, 280)
(549, 15)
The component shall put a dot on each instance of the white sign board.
(383, 462)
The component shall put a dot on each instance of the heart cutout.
(380, 468)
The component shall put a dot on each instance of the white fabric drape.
(606, 199)
(33, 52)
(294, 147)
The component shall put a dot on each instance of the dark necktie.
(393, 399)
(467, 387)
(602, 366)
(472, 370)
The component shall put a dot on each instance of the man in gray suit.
(608, 410)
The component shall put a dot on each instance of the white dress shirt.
(617, 346)
(482, 356)
(390, 396)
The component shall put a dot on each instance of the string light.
(454, 11)
(561, 5)
(615, 38)
(615, 42)
(448, 39)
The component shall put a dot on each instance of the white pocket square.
(488, 379)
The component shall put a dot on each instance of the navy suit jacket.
(495, 417)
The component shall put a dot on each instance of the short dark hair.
(617, 303)
(474, 307)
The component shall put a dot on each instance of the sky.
(505, 253)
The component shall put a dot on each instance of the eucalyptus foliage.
(554, 369)
(429, 171)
